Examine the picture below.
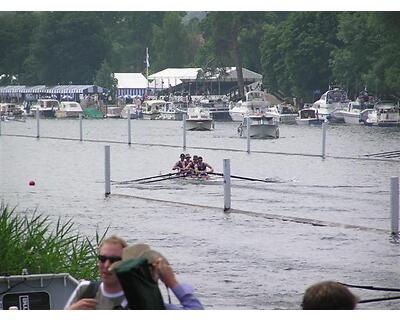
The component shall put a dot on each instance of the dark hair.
(182, 155)
(328, 295)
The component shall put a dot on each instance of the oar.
(382, 153)
(162, 179)
(148, 178)
(244, 178)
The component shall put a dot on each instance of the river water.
(322, 219)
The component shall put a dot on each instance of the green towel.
(140, 289)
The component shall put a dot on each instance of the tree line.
(296, 52)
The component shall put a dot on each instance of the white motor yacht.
(259, 126)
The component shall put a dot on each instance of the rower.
(191, 167)
(201, 167)
(180, 164)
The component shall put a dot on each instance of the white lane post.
(184, 130)
(129, 127)
(227, 184)
(80, 128)
(323, 139)
(248, 134)
(37, 122)
(107, 170)
(394, 204)
(0, 127)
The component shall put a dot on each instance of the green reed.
(32, 241)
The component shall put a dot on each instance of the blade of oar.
(244, 178)
(149, 178)
(162, 179)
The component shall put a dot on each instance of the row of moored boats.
(257, 117)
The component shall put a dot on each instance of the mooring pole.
(80, 127)
(323, 139)
(394, 204)
(248, 134)
(107, 171)
(129, 127)
(184, 130)
(227, 184)
(37, 122)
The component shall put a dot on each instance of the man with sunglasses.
(109, 294)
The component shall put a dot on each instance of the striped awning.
(62, 89)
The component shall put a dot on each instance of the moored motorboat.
(46, 108)
(356, 113)
(113, 112)
(308, 116)
(330, 104)
(169, 111)
(151, 109)
(10, 111)
(69, 109)
(198, 119)
(259, 126)
(135, 111)
(385, 114)
(253, 101)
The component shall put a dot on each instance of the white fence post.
(80, 128)
(107, 171)
(394, 204)
(323, 139)
(184, 130)
(37, 122)
(129, 127)
(227, 184)
(248, 134)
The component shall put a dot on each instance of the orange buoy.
(31, 183)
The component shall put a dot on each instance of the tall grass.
(32, 241)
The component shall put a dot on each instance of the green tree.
(105, 78)
(130, 33)
(352, 60)
(16, 30)
(169, 43)
(69, 47)
(225, 33)
(308, 38)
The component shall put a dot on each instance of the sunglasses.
(112, 259)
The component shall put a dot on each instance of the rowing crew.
(195, 167)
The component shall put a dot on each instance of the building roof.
(173, 75)
(131, 80)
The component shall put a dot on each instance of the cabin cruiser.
(253, 101)
(356, 113)
(46, 107)
(135, 111)
(259, 126)
(169, 111)
(69, 109)
(218, 107)
(330, 104)
(198, 119)
(309, 116)
(10, 111)
(151, 109)
(385, 114)
(113, 112)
